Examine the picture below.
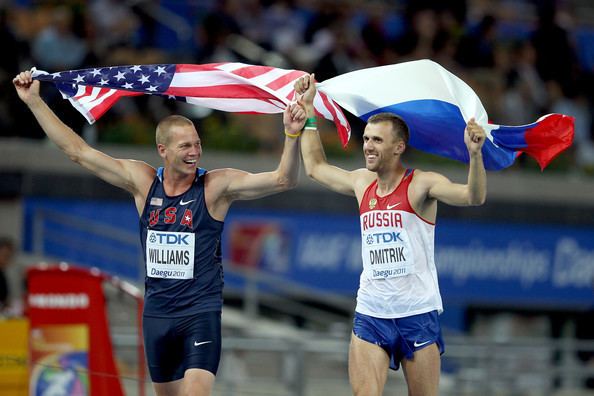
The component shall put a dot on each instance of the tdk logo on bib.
(170, 254)
(161, 238)
(383, 237)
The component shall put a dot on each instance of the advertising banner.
(476, 262)
(528, 265)
(60, 360)
(70, 339)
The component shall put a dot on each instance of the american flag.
(234, 87)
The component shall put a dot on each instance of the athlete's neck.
(388, 181)
(176, 183)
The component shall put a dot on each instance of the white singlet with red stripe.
(399, 277)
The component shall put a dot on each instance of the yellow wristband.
(293, 135)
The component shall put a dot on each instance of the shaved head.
(162, 135)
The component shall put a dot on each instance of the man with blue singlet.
(398, 301)
(182, 209)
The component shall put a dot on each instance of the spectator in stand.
(555, 56)
(525, 98)
(214, 30)
(477, 48)
(417, 42)
(56, 47)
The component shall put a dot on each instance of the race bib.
(170, 254)
(386, 250)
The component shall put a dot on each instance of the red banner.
(70, 341)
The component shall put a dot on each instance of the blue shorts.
(400, 337)
(174, 345)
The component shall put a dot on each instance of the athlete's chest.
(394, 201)
(179, 213)
(181, 216)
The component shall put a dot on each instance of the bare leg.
(368, 367)
(422, 372)
(196, 382)
(168, 388)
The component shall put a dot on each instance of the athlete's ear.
(161, 150)
(399, 149)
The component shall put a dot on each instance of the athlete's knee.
(362, 391)
(196, 392)
(197, 383)
(366, 388)
(196, 388)
(423, 390)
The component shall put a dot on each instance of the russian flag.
(436, 106)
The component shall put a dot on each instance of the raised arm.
(312, 150)
(228, 185)
(133, 176)
(474, 192)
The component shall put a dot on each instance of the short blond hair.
(164, 127)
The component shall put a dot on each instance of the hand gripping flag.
(234, 87)
(436, 106)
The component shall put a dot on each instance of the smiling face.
(381, 146)
(179, 145)
(384, 140)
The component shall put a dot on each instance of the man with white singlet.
(398, 301)
(182, 209)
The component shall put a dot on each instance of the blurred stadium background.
(517, 274)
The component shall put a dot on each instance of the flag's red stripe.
(185, 68)
(549, 137)
(99, 109)
(221, 91)
(341, 129)
(88, 91)
(291, 95)
(252, 71)
(102, 92)
(284, 80)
